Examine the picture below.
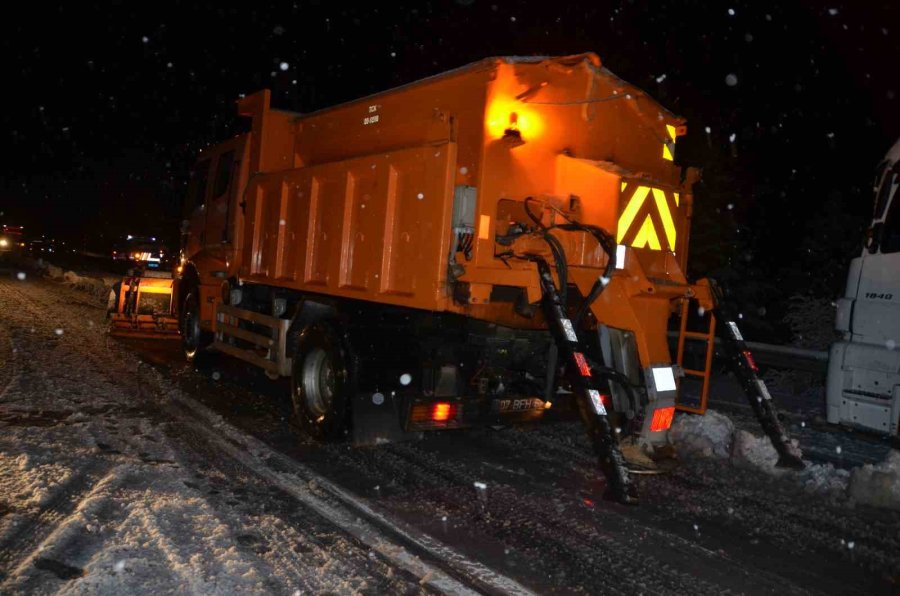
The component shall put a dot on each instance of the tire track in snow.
(21, 545)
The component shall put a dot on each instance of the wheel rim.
(317, 382)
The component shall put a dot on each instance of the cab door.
(876, 314)
(194, 225)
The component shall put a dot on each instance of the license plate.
(524, 404)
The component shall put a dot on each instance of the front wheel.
(193, 339)
(323, 381)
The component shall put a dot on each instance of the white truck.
(863, 385)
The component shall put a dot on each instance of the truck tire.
(193, 339)
(323, 381)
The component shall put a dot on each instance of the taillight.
(662, 419)
(435, 415)
(440, 412)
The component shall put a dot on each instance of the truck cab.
(863, 387)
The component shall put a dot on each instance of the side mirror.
(873, 237)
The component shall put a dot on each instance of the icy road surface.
(123, 470)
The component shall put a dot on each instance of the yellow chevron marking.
(631, 210)
(666, 216)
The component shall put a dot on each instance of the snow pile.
(879, 484)
(824, 479)
(93, 286)
(713, 436)
(750, 451)
(703, 436)
(96, 287)
(54, 272)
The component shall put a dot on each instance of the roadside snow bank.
(96, 287)
(878, 484)
(713, 436)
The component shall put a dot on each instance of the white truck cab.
(863, 385)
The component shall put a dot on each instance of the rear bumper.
(863, 387)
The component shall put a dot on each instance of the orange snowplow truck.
(475, 247)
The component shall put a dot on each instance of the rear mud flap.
(377, 419)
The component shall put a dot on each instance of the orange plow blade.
(144, 309)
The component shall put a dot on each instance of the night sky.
(789, 104)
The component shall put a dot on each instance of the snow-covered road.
(123, 470)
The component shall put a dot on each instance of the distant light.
(129, 237)
(153, 238)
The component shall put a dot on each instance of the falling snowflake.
(145, 39)
(59, 331)
(464, 170)
(708, 130)
(731, 79)
(216, 375)
(732, 137)
(405, 379)
(731, 12)
(661, 78)
(833, 12)
(837, 449)
(420, 196)
(20, 276)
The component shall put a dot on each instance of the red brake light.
(440, 412)
(662, 419)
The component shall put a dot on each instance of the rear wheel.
(323, 381)
(193, 339)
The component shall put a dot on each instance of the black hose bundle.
(603, 237)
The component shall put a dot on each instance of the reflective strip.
(623, 186)
(484, 227)
(631, 211)
(762, 389)
(597, 401)
(620, 256)
(669, 143)
(668, 225)
(647, 236)
(663, 378)
(583, 366)
(569, 330)
(677, 198)
(735, 332)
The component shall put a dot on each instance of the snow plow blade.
(142, 307)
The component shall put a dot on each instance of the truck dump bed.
(372, 198)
